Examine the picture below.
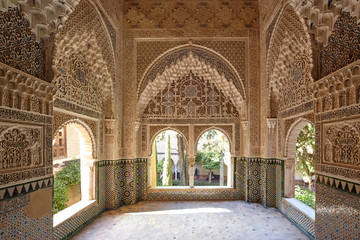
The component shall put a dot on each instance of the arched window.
(72, 157)
(169, 164)
(213, 160)
(305, 166)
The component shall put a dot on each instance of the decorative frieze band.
(297, 110)
(13, 114)
(336, 170)
(344, 185)
(13, 191)
(339, 113)
(120, 161)
(59, 103)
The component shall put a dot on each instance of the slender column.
(289, 178)
(153, 172)
(109, 125)
(230, 172)
(221, 168)
(191, 170)
(136, 139)
(271, 137)
(87, 178)
(245, 148)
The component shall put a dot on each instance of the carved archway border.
(163, 62)
(153, 135)
(88, 8)
(61, 120)
(292, 135)
(227, 132)
(295, 26)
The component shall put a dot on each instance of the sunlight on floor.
(183, 211)
(181, 220)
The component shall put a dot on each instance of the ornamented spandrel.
(18, 45)
(190, 97)
(77, 83)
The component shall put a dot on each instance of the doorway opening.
(305, 166)
(72, 157)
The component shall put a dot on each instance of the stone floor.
(192, 220)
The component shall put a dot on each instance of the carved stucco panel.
(21, 146)
(342, 144)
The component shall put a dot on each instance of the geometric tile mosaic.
(300, 219)
(141, 179)
(121, 182)
(19, 226)
(337, 213)
(255, 180)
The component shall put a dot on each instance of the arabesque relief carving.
(20, 147)
(76, 82)
(202, 63)
(289, 62)
(192, 96)
(18, 45)
(342, 144)
(24, 92)
(45, 16)
(184, 14)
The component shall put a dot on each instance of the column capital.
(191, 161)
(137, 126)
(244, 124)
(271, 124)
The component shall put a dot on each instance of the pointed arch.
(229, 138)
(292, 136)
(85, 133)
(153, 137)
(289, 60)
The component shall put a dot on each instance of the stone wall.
(330, 103)
(337, 111)
(26, 155)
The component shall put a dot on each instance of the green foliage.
(306, 196)
(70, 173)
(210, 160)
(305, 147)
(68, 176)
(167, 169)
(206, 184)
(60, 196)
(159, 169)
(214, 140)
(176, 183)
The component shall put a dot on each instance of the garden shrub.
(68, 176)
(306, 196)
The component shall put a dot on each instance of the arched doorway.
(305, 166)
(73, 149)
(294, 149)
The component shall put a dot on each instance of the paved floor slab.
(192, 220)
